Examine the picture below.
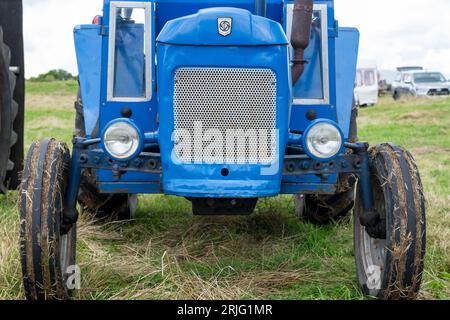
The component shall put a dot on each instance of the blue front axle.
(85, 156)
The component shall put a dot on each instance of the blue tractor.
(223, 103)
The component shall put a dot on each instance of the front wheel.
(390, 266)
(47, 249)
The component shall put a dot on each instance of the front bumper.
(436, 92)
(300, 174)
(85, 156)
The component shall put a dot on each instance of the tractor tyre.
(9, 110)
(326, 209)
(105, 207)
(390, 261)
(47, 251)
(101, 206)
(11, 21)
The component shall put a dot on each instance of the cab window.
(129, 65)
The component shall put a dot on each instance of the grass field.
(166, 253)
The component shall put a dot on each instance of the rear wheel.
(324, 209)
(11, 20)
(390, 265)
(104, 206)
(92, 202)
(8, 112)
(47, 249)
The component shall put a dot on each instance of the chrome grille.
(226, 102)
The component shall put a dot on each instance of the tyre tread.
(41, 200)
(12, 136)
(397, 172)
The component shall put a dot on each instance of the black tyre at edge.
(9, 110)
(11, 20)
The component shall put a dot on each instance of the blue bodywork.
(264, 45)
(181, 36)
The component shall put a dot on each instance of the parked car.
(366, 87)
(420, 84)
(409, 68)
(385, 81)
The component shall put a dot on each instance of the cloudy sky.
(393, 33)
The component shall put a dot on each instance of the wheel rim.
(66, 252)
(133, 203)
(372, 251)
(299, 202)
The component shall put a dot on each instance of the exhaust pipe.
(260, 7)
(301, 31)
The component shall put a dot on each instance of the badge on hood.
(224, 26)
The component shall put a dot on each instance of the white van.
(366, 84)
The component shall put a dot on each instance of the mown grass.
(166, 253)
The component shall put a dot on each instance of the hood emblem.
(224, 26)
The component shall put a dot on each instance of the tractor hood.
(239, 28)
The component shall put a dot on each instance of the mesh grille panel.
(232, 110)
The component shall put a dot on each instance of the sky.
(393, 32)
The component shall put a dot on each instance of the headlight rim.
(307, 131)
(139, 134)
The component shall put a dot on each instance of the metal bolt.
(116, 172)
(291, 166)
(138, 163)
(83, 158)
(305, 165)
(152, 164)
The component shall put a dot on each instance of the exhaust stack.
(261, 7)
(301, 31)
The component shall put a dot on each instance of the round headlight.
(324, 140)
(121, 140)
